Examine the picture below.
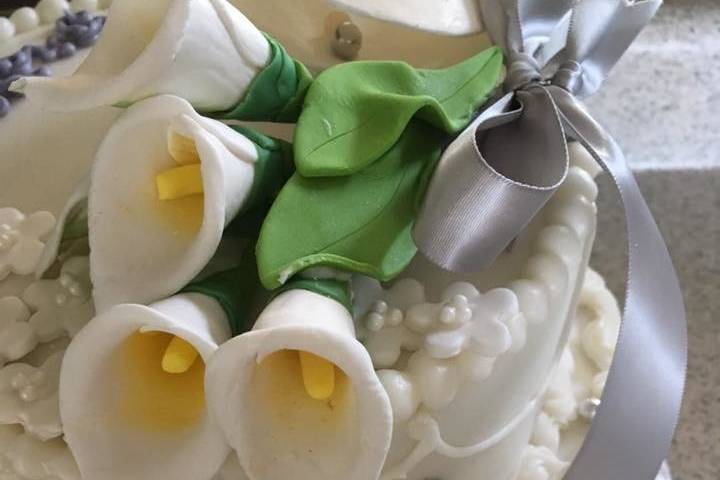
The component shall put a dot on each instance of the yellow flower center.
(180, 188)
(318, 375)
(151, 397)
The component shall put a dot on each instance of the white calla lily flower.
(132, 400)
(298, 397)
(203, 50)
(165, 184)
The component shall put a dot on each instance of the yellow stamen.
(179, 182)
(182, 149)
(179, 356)
(318, 375)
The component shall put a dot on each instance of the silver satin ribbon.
(500, 171)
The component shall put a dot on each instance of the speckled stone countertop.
(661, 100)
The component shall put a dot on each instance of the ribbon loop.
(492, 183)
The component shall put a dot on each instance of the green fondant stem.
(236, 290)
(276, 94)
(337, 290)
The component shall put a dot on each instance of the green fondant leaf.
(360, 223)
(355, 112)
(276, 93)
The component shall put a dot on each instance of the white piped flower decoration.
(449, 343)
(17, 337)
(21, 238)
(29, 397)
(61, 306)
(469, 320)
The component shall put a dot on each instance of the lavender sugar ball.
(6, 67)
(65, 50)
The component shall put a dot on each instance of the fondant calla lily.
(203, 50)
(132, 400)
(297, 397)
(165, 184)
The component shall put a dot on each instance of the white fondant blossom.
(203, 50)
(61, 306)
(124, 414)
(257, 391)
(473, 321)
(143, 248)
(17, 337)
(24, 457)
(29, 397)
(21, 240)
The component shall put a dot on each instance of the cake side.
(522, 305)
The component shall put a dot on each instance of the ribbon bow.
(501, 170)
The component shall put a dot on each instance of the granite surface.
(686, 204)
(661, 100)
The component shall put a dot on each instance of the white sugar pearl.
(51, 10)
(7, 29)
(25, 19)
(80, 5)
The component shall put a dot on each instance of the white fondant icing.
(24, 457)
(310, 35)
(21, 240)
(17, 337)
(111, 435)
(278, 431)
(51, 10)
(203, 50)
(61, 306)
(25, 19)
(29, 397)
(449, 17)
(125, 212)
(80, 5)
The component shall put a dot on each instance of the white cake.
(489, 376)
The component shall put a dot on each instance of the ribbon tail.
(634, 425)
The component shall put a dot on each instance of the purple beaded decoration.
(72, 32)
